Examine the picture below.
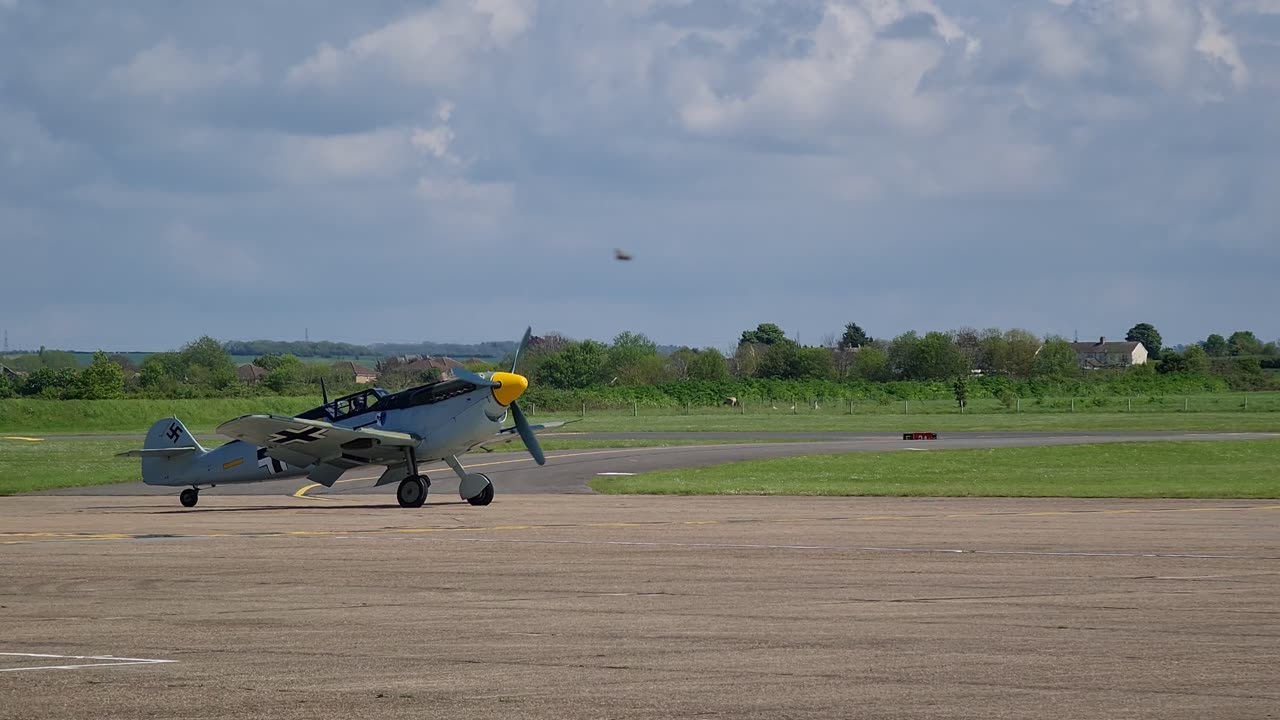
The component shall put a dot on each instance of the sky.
(393, 171)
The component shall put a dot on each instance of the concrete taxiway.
(583, 606)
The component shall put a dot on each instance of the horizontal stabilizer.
(159, 452)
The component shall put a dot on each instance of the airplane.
(620, 254)
(437, 421)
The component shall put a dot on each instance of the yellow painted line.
(232, 463)
(302, 491)
(23, 439)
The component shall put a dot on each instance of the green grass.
(30, 466)
(1243, 469)
(822, 422)
(26, 416)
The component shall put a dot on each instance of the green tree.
(872, 363)
(747, 360)
(162, 372)
(1057, 359)
(6, 387)
(63, 383)
(1014, 353)
(1244, 342)
(816, 363)
(282, 370)
(632, 357)
(1146, 334)
(764, 334)
(960, 388)
(1216, 346)
(932, 357)
(708, 364)
(102, 380)
(271, 362)
(853, 337)
(781, 361)
(1192, 361)
(579, 365)
(208, 365)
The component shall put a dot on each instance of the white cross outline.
(112, 661)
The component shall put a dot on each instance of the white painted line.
(917, 449)
(107, 661)
(615, 473)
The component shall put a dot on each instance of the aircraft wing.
(506, 435)
(302, 442)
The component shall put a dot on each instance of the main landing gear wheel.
(412, 492)
(189, 497)
(486, 496)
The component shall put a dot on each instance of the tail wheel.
(485, 497)
(189, 497)
(412, 492)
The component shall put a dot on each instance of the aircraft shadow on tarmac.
(300, 507)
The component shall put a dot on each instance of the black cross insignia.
(303, 435)
(272, 465)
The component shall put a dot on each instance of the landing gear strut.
(412, 492)
(486, 496)
(189, 497)
(475, 488)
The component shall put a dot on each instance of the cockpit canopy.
(346, 406)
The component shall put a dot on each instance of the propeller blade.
(524, 342)
(474, 379)
(527, 435)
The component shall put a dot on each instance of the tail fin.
(167, 454)
(170, 433)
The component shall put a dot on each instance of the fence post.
(1073, 404)
(584, 410)
(1130, 404)
(961, 407)
(1017, 405)
(1184, 404)
(1246, 401)
(906, 408)
(688, 407)
(634, 410)
(743, 406)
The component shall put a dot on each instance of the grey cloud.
(1036, 169)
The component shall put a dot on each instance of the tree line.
(204, 367)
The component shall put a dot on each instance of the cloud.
(432, 47)
(166, 71)
(901, 163)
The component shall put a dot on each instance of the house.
(250, 373)
(15, 376)
(1103, 354)
(358, 373)
(445, 365)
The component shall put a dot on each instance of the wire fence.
(1257, 402)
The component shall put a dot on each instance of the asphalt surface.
(568, 471)
(581, 606)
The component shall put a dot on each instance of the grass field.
(26, 416)
(30, 465)
(1244, 469)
